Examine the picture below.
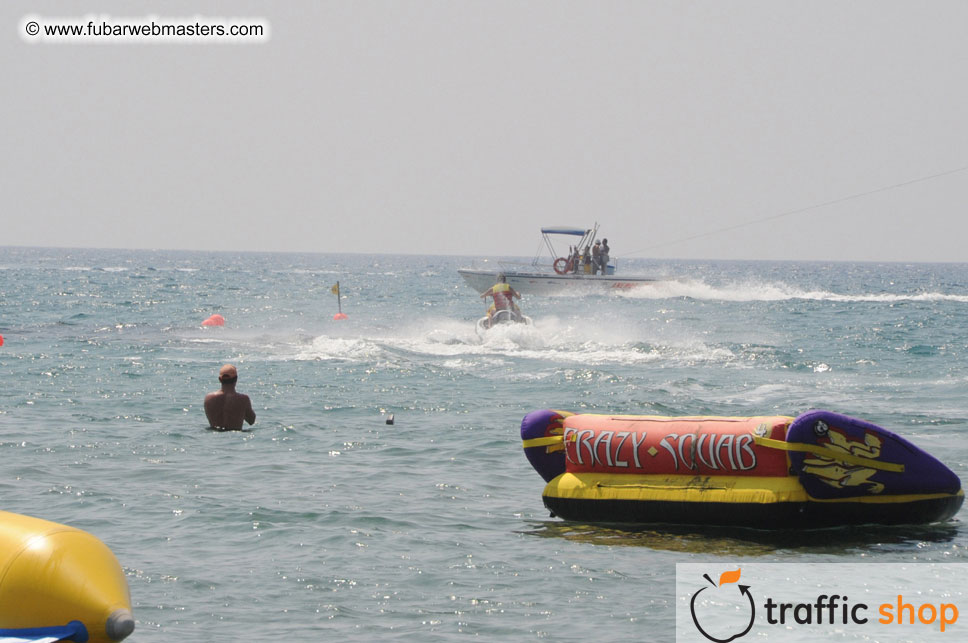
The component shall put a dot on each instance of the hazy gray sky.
(462, 127)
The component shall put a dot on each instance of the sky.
(751, 129)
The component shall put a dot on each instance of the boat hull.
(545, 283)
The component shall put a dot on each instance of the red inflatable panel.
(721, 446)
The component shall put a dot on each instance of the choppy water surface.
(324, 521)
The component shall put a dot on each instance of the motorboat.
(561, 273)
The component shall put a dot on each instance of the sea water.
(324, 522)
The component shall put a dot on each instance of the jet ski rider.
(503, 295)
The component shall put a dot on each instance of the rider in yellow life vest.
(503, 295)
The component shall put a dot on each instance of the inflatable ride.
(820, 469)
(58, 583)
(499, 318)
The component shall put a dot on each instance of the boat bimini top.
(586, 240)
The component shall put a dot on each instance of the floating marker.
(335, 290)
(390, 419)
(214, 320)
(1, 340)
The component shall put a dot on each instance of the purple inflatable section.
(537, 424)
(827, 478)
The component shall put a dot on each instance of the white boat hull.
(543, 283)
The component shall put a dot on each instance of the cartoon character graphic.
(839, 474)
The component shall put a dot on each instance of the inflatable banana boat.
(59, 583)
(820, 469)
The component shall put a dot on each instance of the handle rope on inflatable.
(823, 452)
(643, 485)
(543, 442)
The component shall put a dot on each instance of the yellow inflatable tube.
(52, 574)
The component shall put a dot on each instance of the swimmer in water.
(226, 409)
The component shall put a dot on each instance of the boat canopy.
(584, 243)
(555, 230)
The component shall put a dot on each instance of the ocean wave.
(769, 291)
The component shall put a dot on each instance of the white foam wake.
(554, 340)
(766, 291)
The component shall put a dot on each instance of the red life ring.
(562, 265)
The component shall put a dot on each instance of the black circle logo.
(728, 577)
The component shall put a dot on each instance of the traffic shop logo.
(725, 611)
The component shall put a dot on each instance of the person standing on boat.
(503, 295)
(603, 256)
(586, 261)
(575, 260)
(596, 257)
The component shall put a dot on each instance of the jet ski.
(500, 318)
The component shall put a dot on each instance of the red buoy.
(214, 320)
(339, 316)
